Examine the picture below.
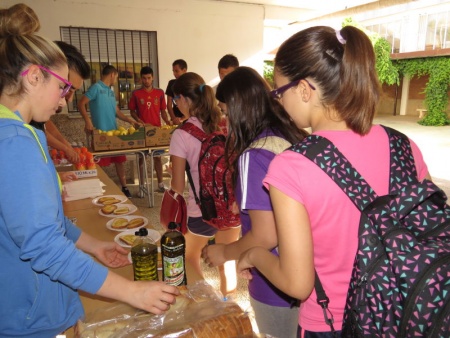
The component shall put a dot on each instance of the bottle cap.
(141, 232)
(172, 226)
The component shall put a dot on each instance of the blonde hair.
(20, 47)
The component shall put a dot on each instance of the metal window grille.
(126, 50)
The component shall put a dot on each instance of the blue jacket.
(40, 267)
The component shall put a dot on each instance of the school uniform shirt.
(102, 105)
(148, 105)
(41, 269)
(333, 217)
(252, 195)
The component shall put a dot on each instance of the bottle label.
(173, 269)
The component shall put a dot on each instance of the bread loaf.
(196, 314)
(231, 323)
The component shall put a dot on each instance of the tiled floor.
(433, 141)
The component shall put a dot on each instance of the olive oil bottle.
(144, 255)
(173, 247)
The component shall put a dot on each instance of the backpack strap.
(193, 130)
(403, 171)
(327, 157)
(200, 135)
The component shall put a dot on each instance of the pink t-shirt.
(334, 218)
(186, 146)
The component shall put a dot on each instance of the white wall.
(198, 31)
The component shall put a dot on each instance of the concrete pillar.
(405, 95)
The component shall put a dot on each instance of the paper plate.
(128, 218)
(121, 199)
(153, 234)
(131, 208)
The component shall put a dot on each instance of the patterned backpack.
(216, 195)
(400, 284)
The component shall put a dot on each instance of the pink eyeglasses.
(67, 86)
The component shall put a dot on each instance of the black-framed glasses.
(67, 87)
(278, 93)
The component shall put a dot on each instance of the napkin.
(80, 189)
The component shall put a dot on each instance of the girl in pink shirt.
(197, 102)
(326, 81)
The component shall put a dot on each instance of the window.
(126, 50)
(418, 32)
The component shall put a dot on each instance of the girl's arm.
(293, 271)
(178, 174)
(262, 233)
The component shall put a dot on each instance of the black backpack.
(400, 284)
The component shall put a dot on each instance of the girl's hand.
(214, 255)
(244, 265)
(112, 255)
(67, 176)
(154, 297)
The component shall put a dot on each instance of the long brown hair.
(251, 110)
(204, 104)
(342, 63)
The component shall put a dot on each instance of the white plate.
(153, 234)
(131, 207)
(121, 198)
(128, 218)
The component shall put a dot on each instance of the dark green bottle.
(173, 247)
(144, 254)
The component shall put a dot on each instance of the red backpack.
(216, 194)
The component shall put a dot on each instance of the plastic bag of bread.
(199, 312)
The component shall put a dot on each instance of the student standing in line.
(258, 128)
(197, 103)
(79, 70)
(41, 250)
(179, 67)
(147, 106)
(104, 111)
(227, 64)
(327, 81)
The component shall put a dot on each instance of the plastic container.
(144, 255)
(173, 247)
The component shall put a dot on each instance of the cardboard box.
(104, 142)
(158, 136)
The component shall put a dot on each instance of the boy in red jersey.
(148, 105)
